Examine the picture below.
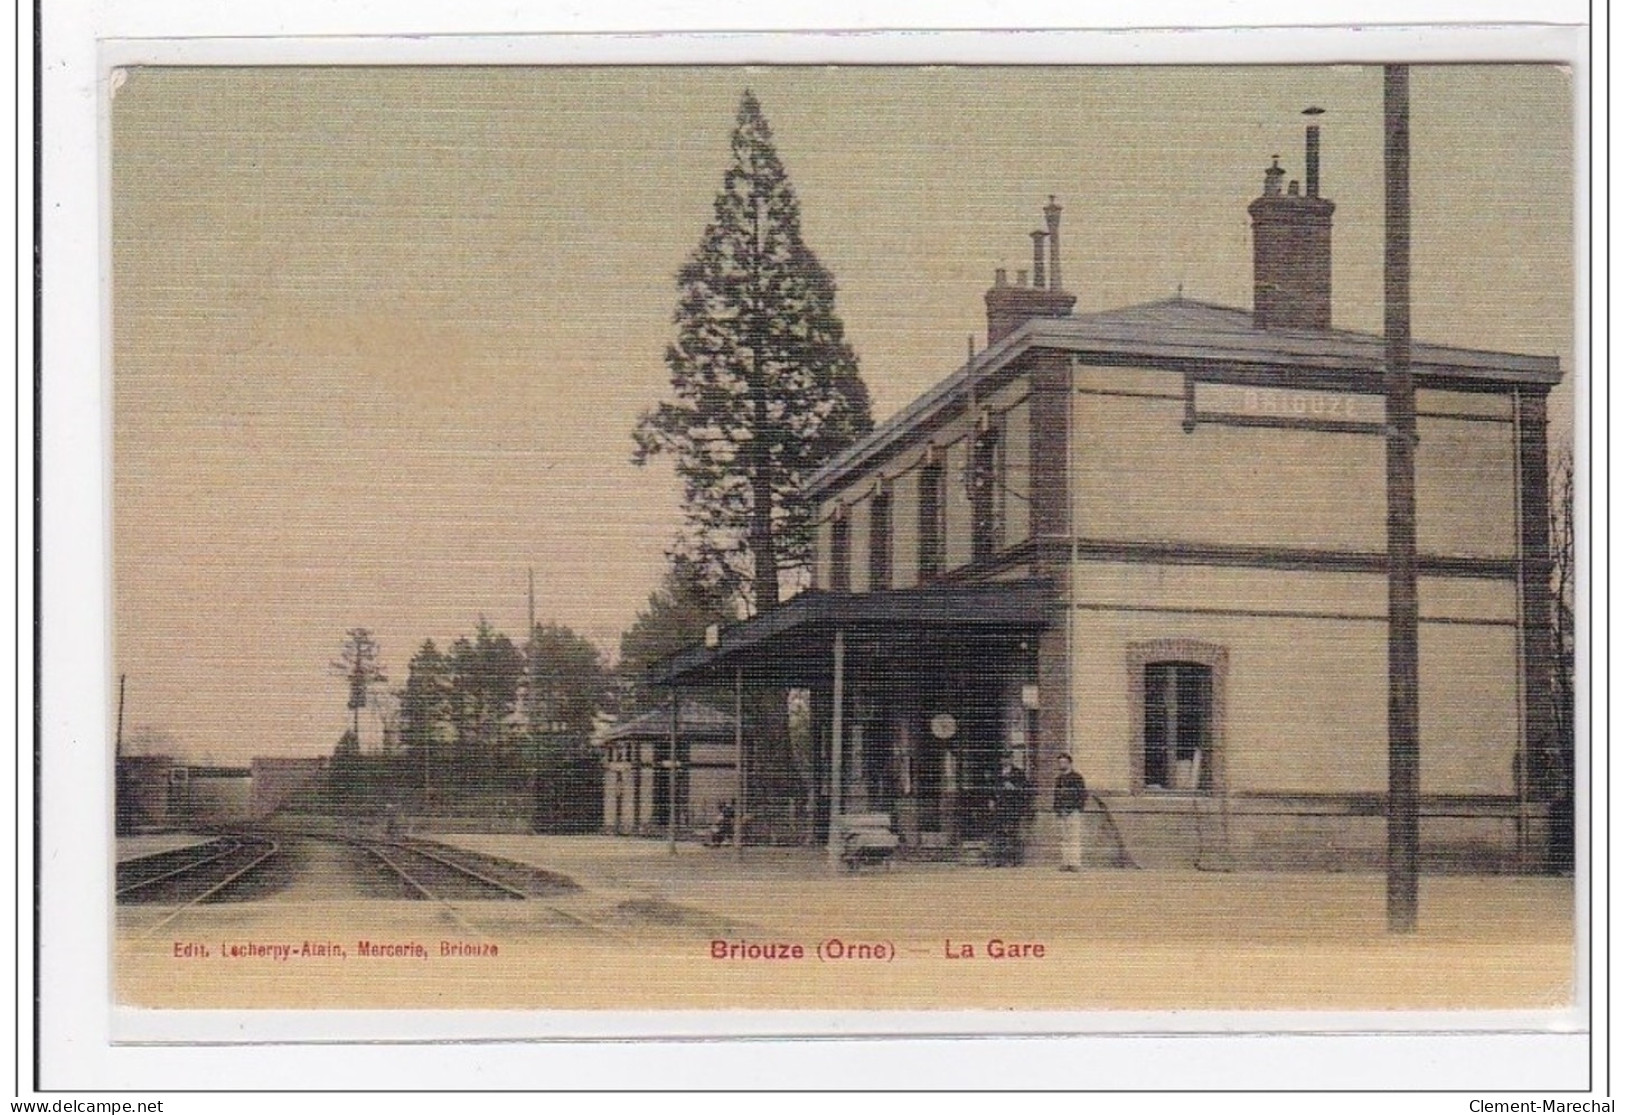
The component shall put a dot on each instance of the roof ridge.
(1172, 300)
(1123, 312)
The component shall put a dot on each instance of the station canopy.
(791, 644)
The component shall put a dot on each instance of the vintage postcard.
(835, 538)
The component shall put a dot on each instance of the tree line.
(483, 726)
(487, 726)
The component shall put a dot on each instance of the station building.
(1155, 538)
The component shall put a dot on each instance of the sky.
(380, 335)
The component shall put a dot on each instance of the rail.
(214, 850)
(265, 850)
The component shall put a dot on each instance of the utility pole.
(123, 803)
(533, 723)
(740, 782)
(118, 736)
(836, 742)
(533, 685)
(1404, 751)
(671, 774)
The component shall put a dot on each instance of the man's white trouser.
(1072, 838)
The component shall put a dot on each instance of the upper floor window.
(840, 554)
(880, 541)
(931, 521)
(984, 484)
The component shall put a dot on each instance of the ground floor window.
(1176, 688)
(1178, 725)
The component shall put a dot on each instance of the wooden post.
(1404, 750)
(637, 786)
(835, 774)
(118, 735)
(671, 779)
(739, 760)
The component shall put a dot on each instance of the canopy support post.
(838, 702)
(739, 761)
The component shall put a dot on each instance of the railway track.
(192, 875)
(135, 876)
(207, 873)
(459, 881)
(434, 874)
(409, 859)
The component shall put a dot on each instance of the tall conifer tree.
(767, 387)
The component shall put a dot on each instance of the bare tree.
(358, 664)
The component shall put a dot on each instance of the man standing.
(1012, 803)
(1070, 795)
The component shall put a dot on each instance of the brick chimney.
(1292, 247)
(1009, 306)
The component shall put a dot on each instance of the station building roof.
(1218, 343)
(697, 720)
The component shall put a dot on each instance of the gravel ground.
(642, 932)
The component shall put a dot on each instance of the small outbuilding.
(636, 754)
(143, 792)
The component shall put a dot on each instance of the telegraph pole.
(1404, 752)
(535, 729)
(740, 783)
(671, 776)
(118, 736)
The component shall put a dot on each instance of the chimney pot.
(1038, 260)
(1311, 161)
(1021, 277)
(1052, 220)
(1272, 177)
(1000, 277)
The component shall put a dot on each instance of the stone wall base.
(1284, 833)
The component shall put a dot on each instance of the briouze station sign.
(1228, 399)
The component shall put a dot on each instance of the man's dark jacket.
(1070, 792)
